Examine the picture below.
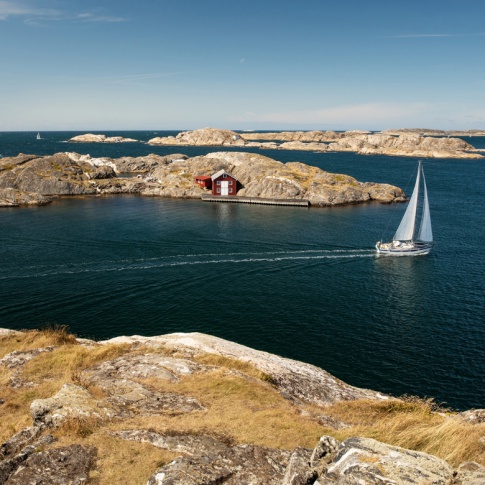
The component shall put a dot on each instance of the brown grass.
(233, 364)
(119, 461)
(415, 424)
(241, 409)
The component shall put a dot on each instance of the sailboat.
(406, 242)
(38, 136)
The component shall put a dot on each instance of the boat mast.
(425, 231)
(405, 231)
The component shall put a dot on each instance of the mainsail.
(405, 231)
(425, 231)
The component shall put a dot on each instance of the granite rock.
(57, 466)
(364, 460)
(209, 460)
(469, 473)
(296, 381)
(71, 401)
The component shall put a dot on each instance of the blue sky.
(266, 64)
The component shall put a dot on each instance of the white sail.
(425, 231)
(405, 231)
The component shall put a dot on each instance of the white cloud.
(369, 113)
(94, 17)
(34, 15)
(10, 9)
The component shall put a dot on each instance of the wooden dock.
(255, 200)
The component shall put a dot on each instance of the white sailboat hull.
(411, 249)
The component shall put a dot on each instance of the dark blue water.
(303, 283)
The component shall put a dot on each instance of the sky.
(262, 65)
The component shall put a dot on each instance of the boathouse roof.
(222, 172)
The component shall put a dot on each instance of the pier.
(255, 200)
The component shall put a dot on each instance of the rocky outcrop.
(91, 138)
(208, 460)
(203, 137)
(146, 163)
(295, 136)
(402, 146)
(51, 175)
(173, 176)
(406, 143)
(433, 132)
(475, 416)
(364, 460)
(71, 401)
(10, 197)
(294, 380)
(33, 180)
(264, 177)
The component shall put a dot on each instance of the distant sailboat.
(404, 242)
(38, 136)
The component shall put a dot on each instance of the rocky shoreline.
(402, 142)
(35, 180)
(190, 408)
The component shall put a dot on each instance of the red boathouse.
(224, 183)
(204, 181)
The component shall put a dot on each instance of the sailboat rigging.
(405, 242)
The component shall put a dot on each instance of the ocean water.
(302, 283)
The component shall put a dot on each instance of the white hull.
(411, 249)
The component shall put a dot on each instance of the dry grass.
(119, 461)
(233, 364)
(241, 409)
(35, 339)
(415, 424)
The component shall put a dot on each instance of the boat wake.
(142, 264)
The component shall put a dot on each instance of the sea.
(303, 283)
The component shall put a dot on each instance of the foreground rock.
(57, 466)
(123, 402)
(208, 460)
(362, 142)
(37, 179)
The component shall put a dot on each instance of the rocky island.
(190, 408)
(31, 179)
(395, 144)
(91, 138)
